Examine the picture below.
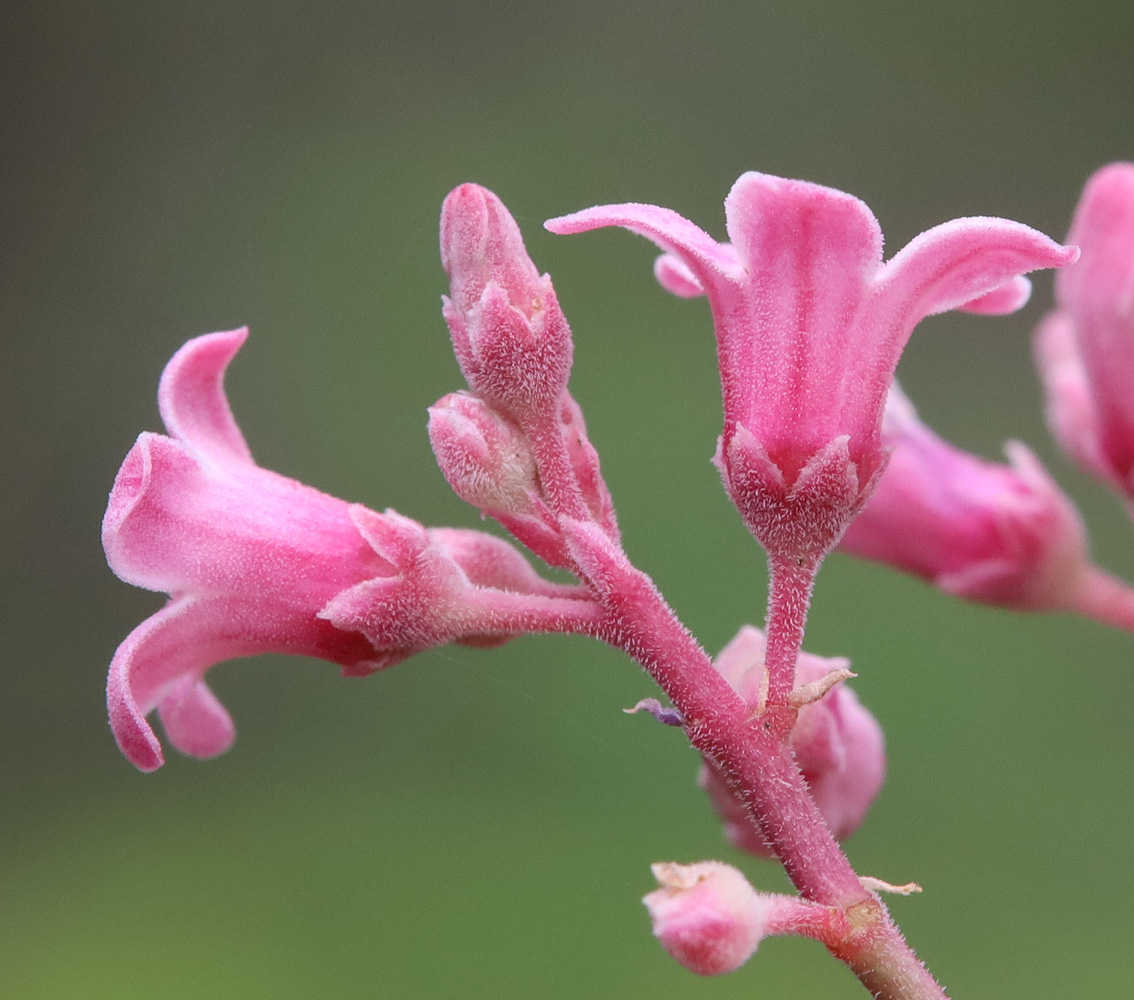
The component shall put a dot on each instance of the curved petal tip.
(195, 721)
(192, 399)
(134, 736)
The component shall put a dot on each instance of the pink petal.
(1097, 296)
(175, 647)
(988, 532)
(175, 524)
(1008, 298)
(959, 261)
(676, 278)
(809, 248)
(1104, 227)
(705, 258)
(741, 663)
(944, 268)
(1071, 411)
(195, 721)
(844, 792)
(192, 400)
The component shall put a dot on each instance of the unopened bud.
(707, 916)
(481, 244)
(511, 338)
(585, 464)
(484, 455)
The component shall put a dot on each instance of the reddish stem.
(790, 582)
(757, 764)
(752, 753)
(504, 612)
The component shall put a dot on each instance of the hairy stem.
(757, 764)
(789, 596)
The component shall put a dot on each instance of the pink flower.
(1085, 349)
(1003, 534)
(255, 562)
(810, 324)
(838, 744)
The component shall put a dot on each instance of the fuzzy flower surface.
(810, 323)
(255, 562)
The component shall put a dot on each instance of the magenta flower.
(255, 562)
(837, 743)
(1085, 349)
(810, 324)
(1002, 534)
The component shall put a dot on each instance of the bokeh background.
(480, 823)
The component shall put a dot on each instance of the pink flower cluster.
(819, 448)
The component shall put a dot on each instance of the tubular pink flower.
(255, 562)
(1085, 349)
(838, 744)
(1001, 534)
(511, 338)
(810, 324)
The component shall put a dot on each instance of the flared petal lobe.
(176, 646)
(192, 400)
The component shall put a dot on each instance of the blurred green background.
(480, 823)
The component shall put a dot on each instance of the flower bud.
(707, 916)
(510, 337)
(584, 461)
(484, 455)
